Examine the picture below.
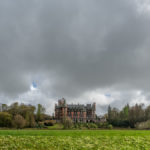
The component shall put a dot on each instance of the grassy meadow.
(75, 139)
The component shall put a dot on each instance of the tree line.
(132, 116)
(22, 115)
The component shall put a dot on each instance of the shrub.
(75, 125)
(102, 125)
(85, 125)
(79, 125)
(92, 125)
(109, 126)
(40, 125)
(49, 122)
(143, 125)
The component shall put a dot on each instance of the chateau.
(78, 113)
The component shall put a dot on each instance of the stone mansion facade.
(78, 113)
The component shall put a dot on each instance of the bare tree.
(19, 122)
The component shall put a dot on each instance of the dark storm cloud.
(71, 47)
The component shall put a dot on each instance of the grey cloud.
(76, 46)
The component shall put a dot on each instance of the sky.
(85, 51)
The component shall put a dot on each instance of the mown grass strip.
(75, 133)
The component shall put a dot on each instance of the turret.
(62, 102)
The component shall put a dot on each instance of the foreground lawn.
(75, 139)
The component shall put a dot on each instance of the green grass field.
(75, 139)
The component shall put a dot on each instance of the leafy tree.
(4, 107)
(113, 116)
(109, 114)
(26, 111)
(124, 117)
(125, 112)
(30, 120)
(40, 112)
(5, 119)
(118, 118)
(14, 109)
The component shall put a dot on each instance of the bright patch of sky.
(33, 86)
(143, 6)
(108, 95)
